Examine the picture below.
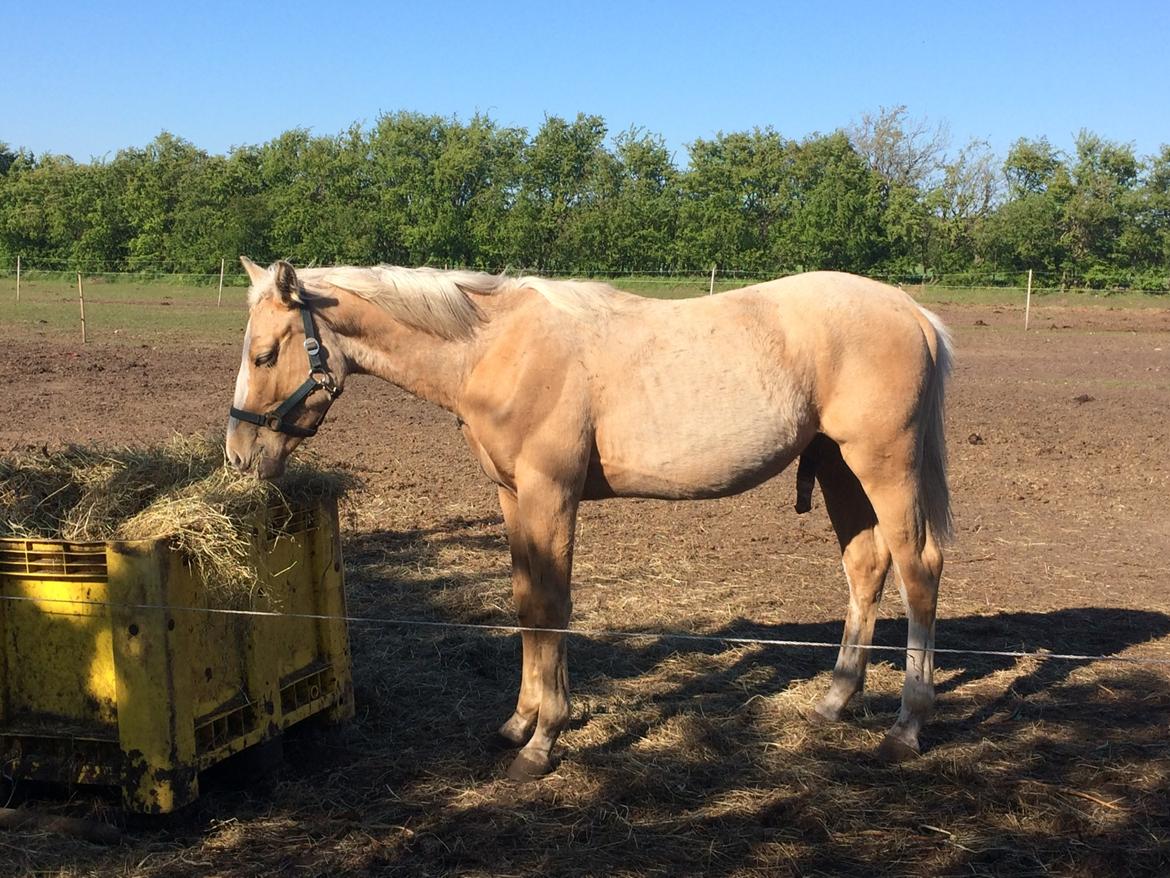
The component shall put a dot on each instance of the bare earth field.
(689, 758)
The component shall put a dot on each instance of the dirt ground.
(688, 758)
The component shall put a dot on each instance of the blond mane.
(439, 301)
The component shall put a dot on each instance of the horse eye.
(266, 359)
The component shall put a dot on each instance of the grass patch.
(691, 287)
(151, 311)
(126, 312)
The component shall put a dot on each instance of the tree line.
(887, 196)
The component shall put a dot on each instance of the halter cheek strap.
(320, 378)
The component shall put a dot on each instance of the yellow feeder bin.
(113, 672)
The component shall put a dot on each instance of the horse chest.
(495, 469)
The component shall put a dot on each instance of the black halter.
(320, 378)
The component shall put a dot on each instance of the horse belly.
(695, 446)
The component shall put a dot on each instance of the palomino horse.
(569, 391)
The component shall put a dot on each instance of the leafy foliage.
(883, 198)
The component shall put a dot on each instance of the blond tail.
(935, 495)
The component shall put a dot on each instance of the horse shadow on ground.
(677, 761)
(680, 780)
(696, 774)
(368, 552)
(1088, 631)
(690, 758)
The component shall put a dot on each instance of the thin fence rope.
(666, 276)
(682, 277)
(682, 273)
(483, 627)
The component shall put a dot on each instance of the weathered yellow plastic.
(113, 673)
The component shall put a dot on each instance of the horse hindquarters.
(899, 462)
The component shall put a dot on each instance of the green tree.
(152, 182)
(415, 188)
(443, 188)
(60, 214)
(1102, 176)
(565, 175)
(1031, 165)
(733, 194)
(836, 212)
(7, 158)
(967, 193)
(1145, 242)
(644, 211)
(1026, 231)
(319, 197)
(474, 177)
(1023, 233)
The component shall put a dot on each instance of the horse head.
(287, 378)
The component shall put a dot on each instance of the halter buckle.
(312, 346)
(325, 381)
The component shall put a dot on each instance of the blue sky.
(89, 79)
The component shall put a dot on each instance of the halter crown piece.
(320, 378)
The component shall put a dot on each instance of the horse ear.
(255, 272)
(287, 285)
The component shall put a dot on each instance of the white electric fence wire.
(592, 632)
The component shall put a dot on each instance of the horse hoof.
(527, 767)
(817, 719)
(893, 751)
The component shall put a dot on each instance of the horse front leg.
(546, 514)
(516, 731)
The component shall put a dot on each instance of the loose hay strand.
(180, 491)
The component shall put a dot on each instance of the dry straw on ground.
(180, 491)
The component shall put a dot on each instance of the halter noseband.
(320, 378)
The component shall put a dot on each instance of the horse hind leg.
(919, 571)
(866, 560)
(891, 482)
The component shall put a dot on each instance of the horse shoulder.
(525, 391)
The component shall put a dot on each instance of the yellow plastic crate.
(111, 672)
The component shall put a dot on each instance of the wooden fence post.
(81, 302)
(1028, 301)
(219, 298)
(18, 278)
(711, 291)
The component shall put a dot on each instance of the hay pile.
(180, 491)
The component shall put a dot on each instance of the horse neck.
(421, 363)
